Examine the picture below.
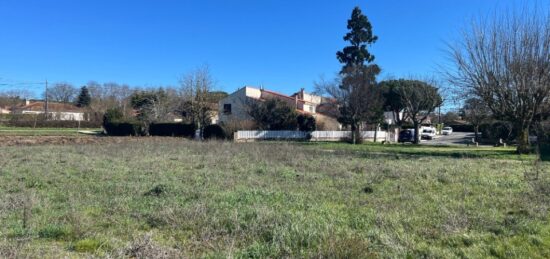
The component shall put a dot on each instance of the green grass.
(175, 198)
(506, 153)
(21, 131)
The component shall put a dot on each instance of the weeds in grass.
(158, 190)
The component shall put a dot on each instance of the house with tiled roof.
(234, 108)
(56, 111)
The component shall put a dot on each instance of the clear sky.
(281, 44)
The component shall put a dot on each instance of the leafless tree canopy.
(506, 63)
(109, 95)
(62, 92)
(476, 113)
(194, 92)
(12, 98)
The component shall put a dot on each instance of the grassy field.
(16, 131)
(176, 198)
(409, 150)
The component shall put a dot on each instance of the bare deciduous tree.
(194, 91)
(12, 98)
(476, 113)
(153, 105)
(62, 92)
(109, 95)
(358, 97)
(505, 62)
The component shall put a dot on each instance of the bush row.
(172, 130)
(214, 131)
(133, 128)
(462, 128)
(116, 128)
(50, 124)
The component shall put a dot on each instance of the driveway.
(456, 138)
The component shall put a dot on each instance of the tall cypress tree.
(360, 37)
(84, 99)
(359, 98)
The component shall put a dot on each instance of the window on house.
(311, 109)
(227, 108)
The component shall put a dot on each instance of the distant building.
(56, 111)
(234, 108)
(5, 110)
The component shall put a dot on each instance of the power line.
(30, 83)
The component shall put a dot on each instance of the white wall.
(312, 98)
(62, 116)
(390, 117)
(238, 101)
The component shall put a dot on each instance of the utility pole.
(439, 119)
(46, 101)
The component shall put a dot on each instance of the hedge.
(123, 128)
(462, 128)
(50, 124)
(497, 130)
(214, 131)
(172, 130)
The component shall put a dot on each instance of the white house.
(56, 111)
(234, 108)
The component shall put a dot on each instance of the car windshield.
(427, 131)
(447, 128)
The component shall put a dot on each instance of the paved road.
(456, 138)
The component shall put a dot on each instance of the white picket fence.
(299, 135)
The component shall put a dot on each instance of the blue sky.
(281, 44)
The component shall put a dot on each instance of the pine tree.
(360, 37)
(359, 98)
(84, 99)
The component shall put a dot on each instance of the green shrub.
(462, 128)
(111, 115)
(214, 131)
(498, 130)
(306, 123)
(172, 130)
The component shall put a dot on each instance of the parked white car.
(428, 133)
(447, 131)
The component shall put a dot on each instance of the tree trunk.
(399, 129)
(416, 132)
(376, 132)
(524, 146)
(353, 134)
(476, 130)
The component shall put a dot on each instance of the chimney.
(27, 102)
(302, 93)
